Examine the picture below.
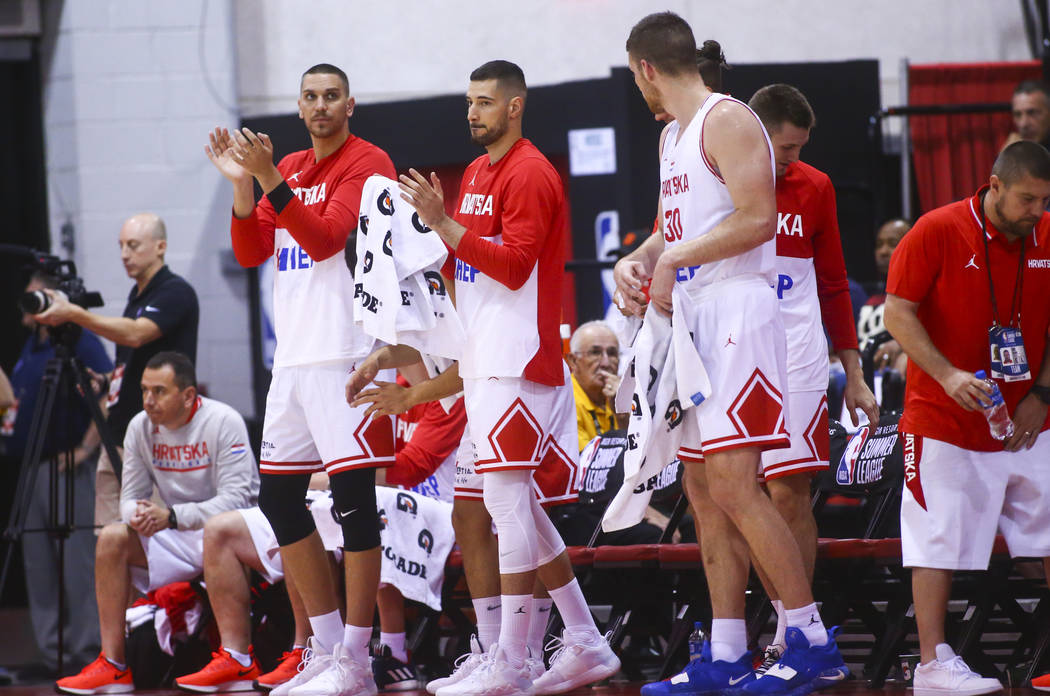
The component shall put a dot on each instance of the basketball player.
(507, 259)
(309, 208)
(811, 285)
(718, 214)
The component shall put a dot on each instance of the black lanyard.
(597, 425)
(1015, 298)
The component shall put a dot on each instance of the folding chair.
(626, 577)
(853, 574)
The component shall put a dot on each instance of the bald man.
(161, 315)
(594, 362)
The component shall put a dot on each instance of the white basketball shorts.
(518, 424)
(310, 426)
(955, 500)
(738, 332)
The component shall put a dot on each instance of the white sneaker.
(313, 663)
(343, 677)
(576, 663)
(949, 674)
(465, 665)
(535, 667)
(495, 677)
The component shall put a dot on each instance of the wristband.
(1041, 393)
(173, 522)
(280, 197)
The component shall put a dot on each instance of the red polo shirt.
(940, 263)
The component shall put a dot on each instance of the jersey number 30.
(672, 224)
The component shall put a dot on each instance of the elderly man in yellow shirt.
(594, 359)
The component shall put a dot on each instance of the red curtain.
(953, 154)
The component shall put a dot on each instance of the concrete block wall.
(398, 50)
(132, 88)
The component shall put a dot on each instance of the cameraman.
(69, 428)
(161, 315)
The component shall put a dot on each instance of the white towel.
(665, 378)
(416, 536)
(399, 294)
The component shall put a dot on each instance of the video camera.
(65, 273)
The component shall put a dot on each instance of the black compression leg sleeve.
(354, 506)
(282, 498)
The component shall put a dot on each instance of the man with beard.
(966, 284)
(308, 426)
(1030, 108)
(507, 244)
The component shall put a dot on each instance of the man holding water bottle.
(968, 293)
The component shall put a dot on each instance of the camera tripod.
(64, 381)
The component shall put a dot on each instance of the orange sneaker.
(287, 668)
(1042, 683)
(99, 677)
(223, 673)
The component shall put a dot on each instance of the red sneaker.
(287, 668)
(223, 673)
(100, 677)
(1042, 683)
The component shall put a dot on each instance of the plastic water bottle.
(696, 641)
(999, 423)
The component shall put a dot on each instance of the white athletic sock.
(807, 619)
(728, 639)
(487, 610)
(396, 643)
(514, 633)
(355, 640)
(121, 666)
(541, 614)
(243, 659)
(328, 630)
(573, 609)
(782, 624)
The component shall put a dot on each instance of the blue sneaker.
(705, 676)
(802, 669)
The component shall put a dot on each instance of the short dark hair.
(327, 69)
(182, 366)
(778, 104)
(1029, 86)
(1020, 159)
(709, 61)
(507, 75)
(664, 40)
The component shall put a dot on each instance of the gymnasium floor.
(629, 689)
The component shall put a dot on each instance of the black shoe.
(391, 674)
(36, 673)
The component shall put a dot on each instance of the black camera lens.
(34, 302)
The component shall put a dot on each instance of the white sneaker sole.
(596, 673)
(926, 691)
(110, 689)
(407, 685)
(435, 684)
(239, 685)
